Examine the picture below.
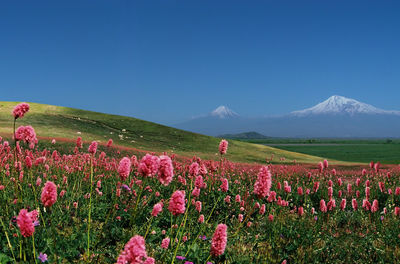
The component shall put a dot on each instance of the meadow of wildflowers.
(92, 204)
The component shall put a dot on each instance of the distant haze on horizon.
(167, 61)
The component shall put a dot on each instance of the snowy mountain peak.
(223, 112)
(341, 105)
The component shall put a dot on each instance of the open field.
(352, 150)
(68, 123)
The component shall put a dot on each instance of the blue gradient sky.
(166, 61)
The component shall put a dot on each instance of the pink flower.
(157, 209)
(367, 192)
(271, 197)
(27, 134)
(149, 260)
(49, 194)
(381, 185)
(300, 211)
(343, 204)
(237, 198)
(25, 222)
(134, 251)
(194, 169)
(300, 191)
(322, 206)
(224, 185)
(331, 204)
(79, 143)
(271, 218)
(20, 110)
(28, 162)
(316, 187)
(93, 147)
(375, 206)
(223, 147)
(201, 219)
(264, 182)
(109, 143)
(349, 188)
(330, 192)
(165, 243)
(354, 204)
(198, 206)
(148, 165)
(199, 182)
(325, 164)
(177, 203)
(124, 168)
(320, 166)
(196, 192)
(219, 240)
(364, 172)
(165, 170)
(262, 209)
(397, 211)
(240, 218)
(366, 205)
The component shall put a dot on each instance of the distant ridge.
(245, 135)
(336, 117)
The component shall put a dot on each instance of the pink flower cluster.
(135, 252)
(93, 147)
(49, 194)
(25, 222)
(124, 168)
(20, 110)
(27, 134)
(219, 240)
(263, 184)
(177, 203)
(165, 170)
(223, 147)
(157, 209)
(148, 165)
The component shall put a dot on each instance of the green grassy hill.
(68, 123)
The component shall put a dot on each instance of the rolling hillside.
(68, 123)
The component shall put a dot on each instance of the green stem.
(148, 227)
(90, 207)
(34, 250)
(8, 239)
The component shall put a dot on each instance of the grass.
(65, 123)
(386, 151)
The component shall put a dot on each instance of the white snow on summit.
(223, 112)
(342, 105)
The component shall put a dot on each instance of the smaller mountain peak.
(223, 112)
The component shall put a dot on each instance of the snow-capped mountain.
(223, 112)
(337, 116)
(341, 105)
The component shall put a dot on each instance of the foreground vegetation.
(97, 205)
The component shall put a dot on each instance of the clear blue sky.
(166, 61)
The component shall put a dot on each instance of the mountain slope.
(62, 122)
(342, 105)
(337, 116)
